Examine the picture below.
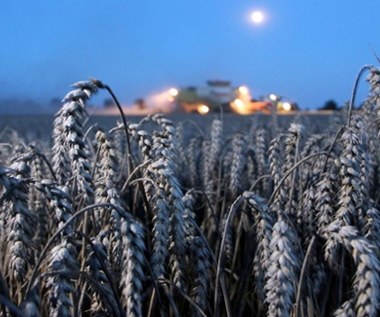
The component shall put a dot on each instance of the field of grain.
(190, 216)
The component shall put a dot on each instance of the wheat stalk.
(367, 278)
(264, 229)
(282, 274)
(237, 166)
(132, 276)
(19, 220)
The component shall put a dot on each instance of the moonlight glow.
(257, 17)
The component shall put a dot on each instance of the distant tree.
(330, 105)
(140, 103)
(108, 103)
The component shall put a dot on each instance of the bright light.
(239, 106)
(173, 92)
(257, 17)
(244, 90)
(203, 109)
(287, 106)
(273, 97)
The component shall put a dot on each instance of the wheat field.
(148, 219)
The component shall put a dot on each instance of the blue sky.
(309, 51)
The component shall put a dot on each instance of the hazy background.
(309, 51)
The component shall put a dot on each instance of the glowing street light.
(203, 109)
(287, 106)
(273, 97)
(173, 92)
(243, 90)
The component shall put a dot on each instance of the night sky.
(309, 51)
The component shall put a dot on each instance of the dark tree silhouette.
(109, 103)
(330, 105)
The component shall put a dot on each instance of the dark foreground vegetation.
(165, 217)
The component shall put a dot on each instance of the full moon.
(257, 17)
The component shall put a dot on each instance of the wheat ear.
(367, 274)
(283, 271)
